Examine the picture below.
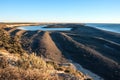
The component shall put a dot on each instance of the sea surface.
(107, 27)
(43, 28)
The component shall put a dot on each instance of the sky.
(74, 11)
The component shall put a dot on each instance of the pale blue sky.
(60, 11)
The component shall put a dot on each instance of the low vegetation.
(31, 67)
(10, 43)
(27, 67)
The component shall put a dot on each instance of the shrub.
(33, 62)
(29, 67)
(11, 44)
(3, 62)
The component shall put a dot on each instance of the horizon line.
(56, 22)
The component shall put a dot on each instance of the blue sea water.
(107, 27)
(43, 28)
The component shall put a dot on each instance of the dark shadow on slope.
(107, 48)
(89, 58)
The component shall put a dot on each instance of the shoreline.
(86, 71)
(97, 26)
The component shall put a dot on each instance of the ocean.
(108, 27)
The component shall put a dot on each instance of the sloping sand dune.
(94, 49)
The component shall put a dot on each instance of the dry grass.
(10, 43)
(33, 62)
(31, 67)
(28, 67)
(21, 74)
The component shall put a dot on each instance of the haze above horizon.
(76, 11)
